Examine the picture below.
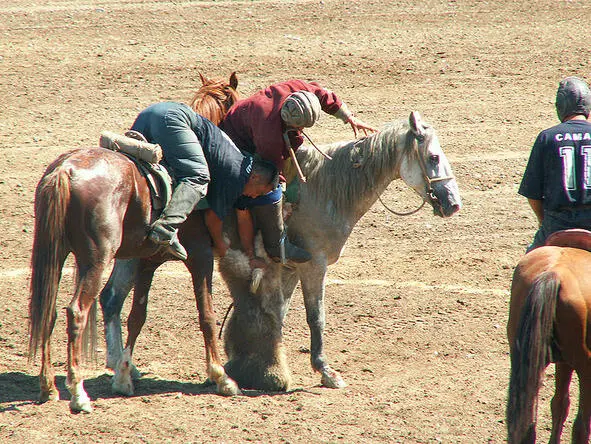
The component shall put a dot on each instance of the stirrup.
(176, 249)
(169, 244)
(295, 254)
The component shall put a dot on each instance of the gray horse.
(336, 194)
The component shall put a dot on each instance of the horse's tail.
(530, 356)
(50, 250)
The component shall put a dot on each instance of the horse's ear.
(234, 81)
(204, 80)
(416, 124)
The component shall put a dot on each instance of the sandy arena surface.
(416, 307)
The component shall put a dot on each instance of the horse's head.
(425, 168)
(215, 97)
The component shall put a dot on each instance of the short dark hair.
(265, 172)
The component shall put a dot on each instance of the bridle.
(429, 193)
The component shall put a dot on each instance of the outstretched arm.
(214, 225)
(246, 234)
(347, 116)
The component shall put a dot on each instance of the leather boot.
(269, 218)
(185, 198)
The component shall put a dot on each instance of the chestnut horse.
(96, 204)
(548, 322)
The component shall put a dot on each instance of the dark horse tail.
(531, 354)
(52, 198)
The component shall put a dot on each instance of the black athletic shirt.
(559, 167)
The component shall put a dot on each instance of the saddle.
(159, 180)
(574, 238)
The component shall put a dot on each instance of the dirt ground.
(416, 307)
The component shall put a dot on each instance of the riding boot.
(185, 198)
(269, 219)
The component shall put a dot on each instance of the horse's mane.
(214, 99)
(358, 168)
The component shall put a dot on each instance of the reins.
(224, 320)
(402, 214)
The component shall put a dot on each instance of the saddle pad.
(158, 178)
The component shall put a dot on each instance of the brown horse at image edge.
(549, 314)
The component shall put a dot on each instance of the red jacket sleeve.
(255, 125)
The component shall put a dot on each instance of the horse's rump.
(548, 318)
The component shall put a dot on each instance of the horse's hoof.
(228, 388)
(135, 373)
(332, 379)
(122, 383)
(124, 388)
(50, 395)
(80, 404)
(122, 379)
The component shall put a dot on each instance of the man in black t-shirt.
(557, 179)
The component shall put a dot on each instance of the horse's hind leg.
(49, 391)
(582, 426)
(112, 297)
(560, 402)
(87, 289)
(312, 277)
(125, 371)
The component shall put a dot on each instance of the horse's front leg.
(125, 370)
(312, 277)
(201, 268)
(120, 283)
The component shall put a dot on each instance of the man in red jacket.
(269, 124)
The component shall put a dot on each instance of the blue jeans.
(170, 125)
(245, 202)
(272, 197)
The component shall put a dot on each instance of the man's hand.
(220, 248)
(257, 262)
(357, 125)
